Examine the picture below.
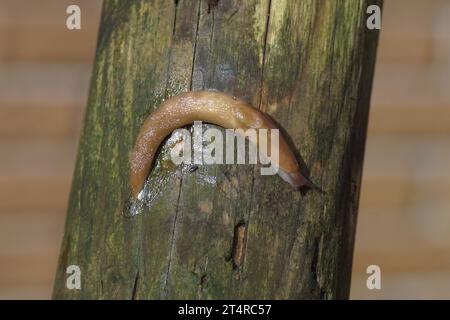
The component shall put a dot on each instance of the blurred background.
(404, 218)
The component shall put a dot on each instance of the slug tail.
(297, 180)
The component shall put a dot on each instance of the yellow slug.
(211, 107)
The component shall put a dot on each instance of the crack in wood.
(212, 4)
(204, 281)
(175, 18)
(174, 227)
(266, 35)
(135, 286)
(195, 45)
(252, 198)
(239, 244)
(315, 258)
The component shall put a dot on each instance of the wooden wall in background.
(404, 217)
(44, 81)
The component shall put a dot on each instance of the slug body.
(211, 107)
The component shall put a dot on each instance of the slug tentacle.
(211, 107)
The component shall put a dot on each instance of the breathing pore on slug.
(211, 107)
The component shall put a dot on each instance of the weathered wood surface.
(307, 63)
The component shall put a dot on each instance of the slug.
(211, 107)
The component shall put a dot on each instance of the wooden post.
(223, 231)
